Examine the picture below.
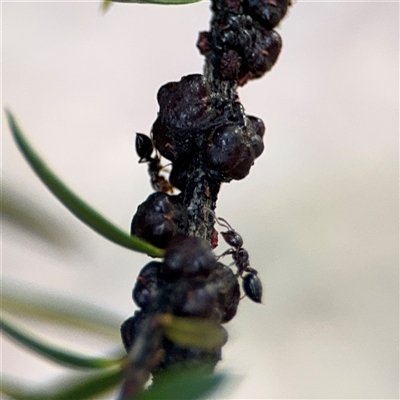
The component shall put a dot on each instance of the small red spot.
(214, 239)
(203, 42)
(235, 4)
(243, 79)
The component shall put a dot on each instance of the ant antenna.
(224, 223)
(219, 220)
(166, 165)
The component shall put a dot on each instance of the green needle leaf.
(77, 389)
(53, 353)
(29, 216)
(106, 3)
(194, 332)
(19, 299)
(183, 383)
(75, 204)
(88, 388)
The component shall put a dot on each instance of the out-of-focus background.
(318, 212)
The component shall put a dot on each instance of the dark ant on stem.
(251, 284)
(144, 148)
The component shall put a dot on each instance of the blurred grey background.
(318, 213)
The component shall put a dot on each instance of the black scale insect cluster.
(242, 43)
(194, 124)
(189, 282)
(203, 130)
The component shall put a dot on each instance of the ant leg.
(226, 252)
(251, 270)
(165, 166)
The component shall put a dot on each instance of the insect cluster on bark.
(203, 130)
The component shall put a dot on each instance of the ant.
(144, 147)
(251, 282)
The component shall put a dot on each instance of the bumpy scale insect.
(144, 149)
(251, 284)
